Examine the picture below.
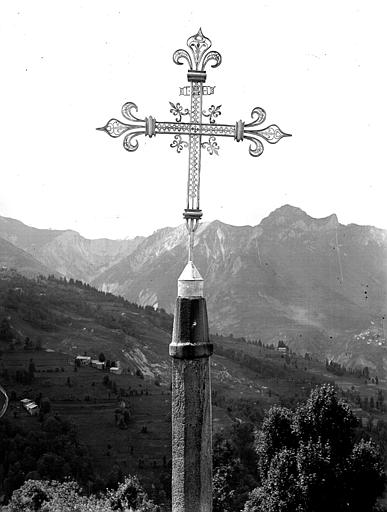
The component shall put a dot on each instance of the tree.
(6, 331)
(234, 467)
(101, 357)
(31, 368)
(309, 460)
(53, 496)
(45, 406)
(50, 466)
(38, 343)
(131, 496)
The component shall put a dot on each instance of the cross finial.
(200, 135)
(199, 45)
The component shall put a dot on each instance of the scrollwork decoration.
(115, 128)
(199, 45)
(178, 143)
(128, 141)
(182, 54)
(271, 134)
(213, 113)
(256, 148)
(215, 56)
(178, 111)
(127, 111)
(259, 114)
(135, 127)
(211, 146)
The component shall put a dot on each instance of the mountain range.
(65, 251)
(318, 285)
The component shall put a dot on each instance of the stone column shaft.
(191, 402)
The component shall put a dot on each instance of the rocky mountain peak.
(290, 217)
(285, 215)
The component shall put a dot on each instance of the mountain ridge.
(11, 257)
(66, 251)
(294, 277)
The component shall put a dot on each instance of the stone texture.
(191, 408)
(191, 436)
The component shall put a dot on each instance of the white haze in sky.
(318, 68)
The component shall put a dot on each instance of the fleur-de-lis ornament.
(178, 111)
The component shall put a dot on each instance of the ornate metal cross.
(201, 135)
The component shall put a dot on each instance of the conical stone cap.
(190, 283)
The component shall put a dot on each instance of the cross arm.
(150, 127)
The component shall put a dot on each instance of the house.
(116, 370)
(282, 347)
(83, 360)
(95, 363)
(32, 409)
(30, 406)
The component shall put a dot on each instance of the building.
(95, 363)
(32, 409)
(83, 360)
(30, 406)
(116, 370)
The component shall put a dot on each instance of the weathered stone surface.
(191, 436)
(191, 408)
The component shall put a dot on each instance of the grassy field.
(143, 448)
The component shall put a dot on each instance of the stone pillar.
(191, 398)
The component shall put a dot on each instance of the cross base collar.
(192, 214)
(196, 76)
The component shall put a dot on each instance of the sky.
(316, 67)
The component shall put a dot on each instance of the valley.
(316, 284)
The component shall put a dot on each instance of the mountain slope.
(80, 258)
(67, 251)
(315, 283)
(291, 276)
(13, 257)
(25, 237)
(74, 318)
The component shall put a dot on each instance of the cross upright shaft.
(192, 213)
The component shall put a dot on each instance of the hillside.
(73, 318)
(66, 251)
(25, 237)
(314, 282)
(13, 257)
(50, 321)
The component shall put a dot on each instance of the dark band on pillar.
(190, 339)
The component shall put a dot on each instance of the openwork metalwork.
(199, 135)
